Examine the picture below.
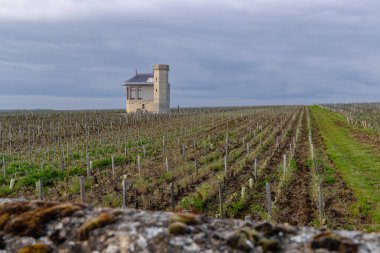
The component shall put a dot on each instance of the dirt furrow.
(295, 204)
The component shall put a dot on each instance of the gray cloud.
(220, 52)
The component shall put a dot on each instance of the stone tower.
(161, 88)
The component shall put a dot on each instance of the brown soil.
(234, 183)
(295, 204)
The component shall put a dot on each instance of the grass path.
(357, 162)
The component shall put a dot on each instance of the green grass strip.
(357, 162)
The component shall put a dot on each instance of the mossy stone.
(35, 248)
(187, 218)
(252, 234)
(178, 228)
(332, 241)
(269, 245)
(242, 239)
(266, 228)
(99, 221)
(4, 218)
(32, 223)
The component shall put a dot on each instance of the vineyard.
(281, 163)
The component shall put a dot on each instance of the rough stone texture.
(81, 228)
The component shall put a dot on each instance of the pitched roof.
(140, 79)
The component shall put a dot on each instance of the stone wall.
(37, 226)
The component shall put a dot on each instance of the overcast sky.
(74, 54)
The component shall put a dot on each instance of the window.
(139, 91)
(143, 106)
(133, 93)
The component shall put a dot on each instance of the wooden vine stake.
(183, 152)
(225, 167)
(113, 166)
(89, 168)
(39, 188)
(167, 164)
(62, 163)
(255, 169)
(250, 183)
(269, 199)
(321, 203)
(12, 184)
(221, 201)
(4, 168)
(243, 192)
(81, 187)
(88, 163)
(125, 196)
(172, 196)
(138, 165)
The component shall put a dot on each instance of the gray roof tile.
(140, 78)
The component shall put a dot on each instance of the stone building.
(149, 92)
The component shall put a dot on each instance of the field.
(305, 165)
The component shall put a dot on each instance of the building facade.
(149, 92)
